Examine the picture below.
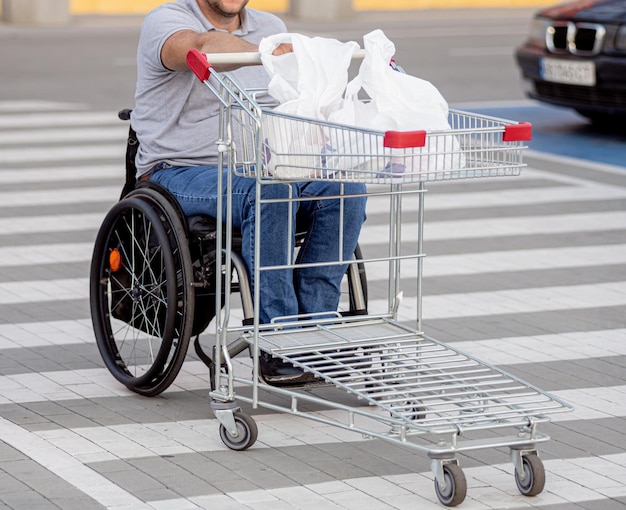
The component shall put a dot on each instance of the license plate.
(567, 71)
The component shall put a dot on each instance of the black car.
(575, 56)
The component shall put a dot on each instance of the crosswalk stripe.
(567, 297)
(69, 196)
(53, 120)
(114, 152)
(38, 106)
(68, 468)
(58, 223)
(496, 227)
(68, 174)
(45, 333)
(11, 256)
(85, 134)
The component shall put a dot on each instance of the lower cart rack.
(416, 391)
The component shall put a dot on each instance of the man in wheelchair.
(176, 121)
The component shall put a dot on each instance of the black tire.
(141, 293)
(247, 433)
(534, 476)
(455, 489)
(603, 121)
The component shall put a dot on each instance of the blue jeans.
(283, 292)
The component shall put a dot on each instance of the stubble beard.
(219, 9)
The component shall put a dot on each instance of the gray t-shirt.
(175, 115)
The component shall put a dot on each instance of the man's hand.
(283, 48)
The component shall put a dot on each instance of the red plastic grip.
(199, 64)
(404, 139)
(518, 132)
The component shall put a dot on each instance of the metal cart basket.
(408, 388)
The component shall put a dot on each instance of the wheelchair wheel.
(141, 295)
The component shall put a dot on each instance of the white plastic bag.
(398, 102)
(310, 83)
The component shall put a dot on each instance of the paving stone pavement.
(527, 273)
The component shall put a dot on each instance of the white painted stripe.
(67, 196)
(62, 174)
(38, 106)
(67, 467)
(11, 256)
(505, 198)
(59, 223)
(496, 227)
(45, 333)
(66, 153)
(60, 119)
(544, 299)
(594, 166)
(552, 195)
(64, 136)
(43, 290)
(514, 260)
(547, 348)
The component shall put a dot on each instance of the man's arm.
(175, 49)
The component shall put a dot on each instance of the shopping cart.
(407, 388)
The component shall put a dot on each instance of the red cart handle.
(518, 132)
(404, 139)
(199, 64)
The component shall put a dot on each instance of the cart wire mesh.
(273, 145)
(428, 385)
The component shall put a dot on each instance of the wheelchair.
(153, 282)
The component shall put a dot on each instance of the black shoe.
(279, 372)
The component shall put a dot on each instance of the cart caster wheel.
(247, 433)
(534, 476)
(455, 488)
